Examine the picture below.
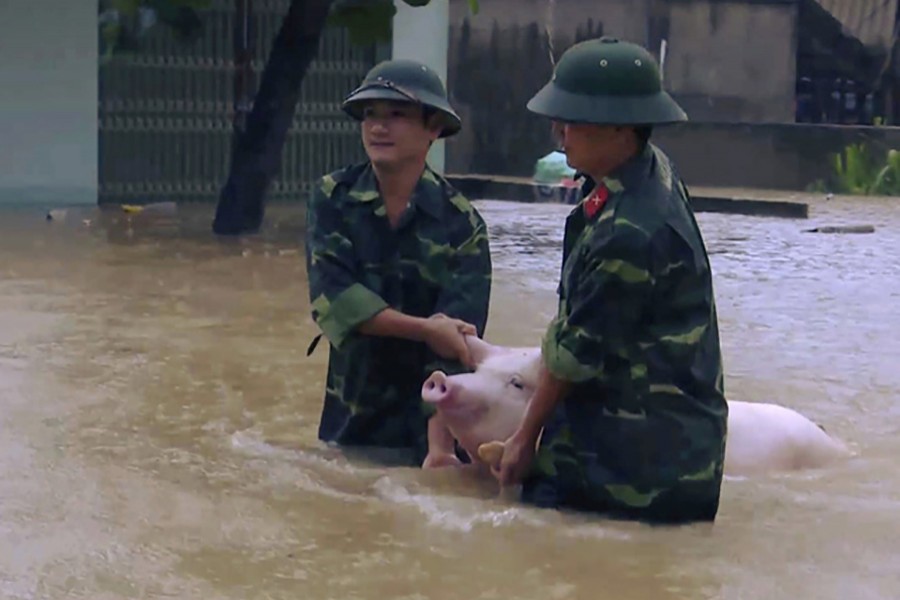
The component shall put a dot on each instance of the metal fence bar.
(165, 114)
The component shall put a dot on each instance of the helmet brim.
(354, 103)
(560, 105)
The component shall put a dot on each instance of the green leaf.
(367, 21)
(126, 7)
(121, 28)
(109, 35)
(473, 4)
(181, 18)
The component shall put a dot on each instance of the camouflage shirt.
(642, 432)
(437, 259)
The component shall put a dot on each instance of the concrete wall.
(500, 57)
(48, 99)
(422, 35)
(733, 61)
(773, 156)
(624, 18)
(726, 61)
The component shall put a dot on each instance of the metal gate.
(165, 114)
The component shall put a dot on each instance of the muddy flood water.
(158, 420)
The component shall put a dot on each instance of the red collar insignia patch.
(594, 202)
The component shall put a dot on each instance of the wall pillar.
(422, 34)
(48, 99)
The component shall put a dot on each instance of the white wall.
(421, 33)
(48, 97)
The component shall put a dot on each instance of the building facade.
(157, 125)
(48, 101)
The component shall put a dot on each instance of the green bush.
(855, 171)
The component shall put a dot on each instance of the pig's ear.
(478, 349)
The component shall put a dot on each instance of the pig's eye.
(516, 382)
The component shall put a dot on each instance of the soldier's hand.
(518, 454)
(446, 338)
(463, 327)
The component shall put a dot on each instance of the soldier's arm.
(602, 312)
(601, 315)
(604, 308)
(598, 317)
(340, 303)
(466, 294)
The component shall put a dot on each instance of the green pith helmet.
(406, 81)
(608, 82)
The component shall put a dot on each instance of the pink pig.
(487, 406)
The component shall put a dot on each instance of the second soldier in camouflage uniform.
(631, 401)
(399, 270)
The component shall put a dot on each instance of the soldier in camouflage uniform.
(399, 271)
(631, 400)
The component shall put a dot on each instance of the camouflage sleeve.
(466, 293)
(339, 301)
(603, 309)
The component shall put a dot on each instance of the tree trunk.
(243, 71)
(257, 152)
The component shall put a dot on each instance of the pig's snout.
(437, 388)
